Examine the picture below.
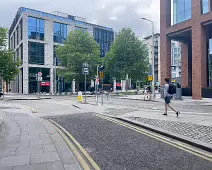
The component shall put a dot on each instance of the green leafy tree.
(8, 67)
(79, 47)
(128, 55)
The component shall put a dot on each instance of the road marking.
(72, 147)
(31, 109)
(160, 138)
(94, 164)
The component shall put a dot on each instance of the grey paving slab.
(56, 137)
(72, 167)
(67, 157)
(44, 135)
(49, 147)
(7, 152)
(45, 157)
(41, 166)
(29, 150)
(61, 146)
(7, 168)
(57, 165)
(40, 142)
(14, 160)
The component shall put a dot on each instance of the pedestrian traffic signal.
(101, 68)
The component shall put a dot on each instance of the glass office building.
(34, 35)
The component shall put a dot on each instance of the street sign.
(85, 65)
(101, 75)
(85, 71)
(40, 74)
(150, 77)
(40, 78)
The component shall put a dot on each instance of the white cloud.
(113, 18)
(111, 13)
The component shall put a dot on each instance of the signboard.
(39, 78)
(46, 84)
(101, 75)
(85, 71)
(118, 84)
(40, 74)
(85, 65)
(150, 77)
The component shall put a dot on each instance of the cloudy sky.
(111, 13)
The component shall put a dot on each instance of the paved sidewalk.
(189, 127)
(31, 143)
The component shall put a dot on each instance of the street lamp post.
(153, 59)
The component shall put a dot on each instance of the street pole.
(102, 90)
(153, 60)
(97, 76)
(55, 76)
(85, 88)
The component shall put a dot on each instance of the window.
(35, 28)
(80, 28)
(210, 63)
(60, 32)
(36, 53)
(205, 5)
(182, 10)
(173, 75)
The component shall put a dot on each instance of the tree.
(79, 47)
(128, 55)
(8, 67)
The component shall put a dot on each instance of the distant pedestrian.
(169, 90)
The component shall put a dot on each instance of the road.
(114, 147)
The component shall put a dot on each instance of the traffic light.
(101, 68)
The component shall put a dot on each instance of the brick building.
(190, 23)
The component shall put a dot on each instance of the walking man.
(169, 90)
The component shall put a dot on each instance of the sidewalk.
(29, 143)
(189, 127)
(23, 97)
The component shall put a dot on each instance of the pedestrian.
(169, 90)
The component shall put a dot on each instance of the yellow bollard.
(79, 96)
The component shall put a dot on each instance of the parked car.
(1, 93)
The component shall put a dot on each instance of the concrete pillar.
(73, 86)
(184, 59)
(114, 85)
(123, 85)
(25, 80)
(199, 61)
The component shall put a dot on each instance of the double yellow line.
(176, 144)
(31, 109)
(76, 147)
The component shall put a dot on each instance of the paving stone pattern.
(199, 132)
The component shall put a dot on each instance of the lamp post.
(153, 59)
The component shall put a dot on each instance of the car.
(1, 93)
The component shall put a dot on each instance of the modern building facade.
(148, 42)
(175, 58)
(189, 22)
(176, 62)
(34, 35)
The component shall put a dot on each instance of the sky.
(116, 14)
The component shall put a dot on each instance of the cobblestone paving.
(199, 132)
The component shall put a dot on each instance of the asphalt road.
(114, 147)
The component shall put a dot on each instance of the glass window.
(60, 32)
(36, 53)
(210, 63)
(205, 5)
(182, 10)
(57, 59)
(35, 28)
